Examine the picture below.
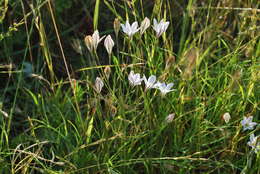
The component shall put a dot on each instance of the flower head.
(144, 25)
(160, 27)
(96, 39)
(169, 118)
(248, 124)
(150, 82)
(163, 87)
(109, 44)
(254, 143)
(134, 79)
(99, 84)
(226, 117)
(130, 30)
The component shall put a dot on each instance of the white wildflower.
(134, 79)
(248, 124)
(130, 30)
(163, 87)
(150, 82)
(96, 39)
(160, 28)
(99, 84)
(254, 143)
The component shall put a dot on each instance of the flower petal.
(152, 79)
(169, 86)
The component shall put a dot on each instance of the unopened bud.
(99, 84)
(226, 117)
(116, 26)
(89, 42)
(144, 25)
(109, 44)
(107, 71)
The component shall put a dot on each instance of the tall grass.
(54, 120)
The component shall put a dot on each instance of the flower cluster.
(92, 41)
(253, 142)
(135, 79)
(151, 82)
(159, 28)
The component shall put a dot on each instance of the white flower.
(130, 30)
(248, 124)
(93, 41)
(163, 87)
(226, 117)
(144, 25)
(169, 118)
(150, 82)
(160, 28)
(254, 143)
(96, 39)
(99, 84)
(109, 44)
(135, 79)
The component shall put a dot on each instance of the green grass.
(52, 119)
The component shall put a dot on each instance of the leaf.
(33, 96)
(96, 14)
(89, 130)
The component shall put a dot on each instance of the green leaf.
(96, 14)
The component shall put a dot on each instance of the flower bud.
(107, 71)
(116, 26)
(99, 84)
(160, 27)
(89, 42)
(93, 41)
(144, 25)
(109, 44)
(169, 118)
